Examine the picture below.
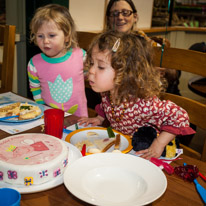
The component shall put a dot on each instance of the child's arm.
(157, 146)
(93, 121)
(34, 83)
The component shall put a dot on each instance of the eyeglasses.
(124, 12)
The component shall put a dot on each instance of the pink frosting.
(29, 150)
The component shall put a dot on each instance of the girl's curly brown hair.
(61, 17)
(135, 76)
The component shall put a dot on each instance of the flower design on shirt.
(61, 91)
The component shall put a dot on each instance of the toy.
(143, 138)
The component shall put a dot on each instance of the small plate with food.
(20, 112)
(97, 140)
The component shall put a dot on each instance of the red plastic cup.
(54, 122)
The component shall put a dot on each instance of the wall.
(89, 15)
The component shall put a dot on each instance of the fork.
(8, 117)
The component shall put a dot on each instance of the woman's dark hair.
(111, 2)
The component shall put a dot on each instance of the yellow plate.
(81, 134)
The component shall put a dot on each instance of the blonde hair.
(60, 16)
(135, 75)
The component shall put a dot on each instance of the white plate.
(15, 120)
(115, 179)
(81, 134)
(74, 154)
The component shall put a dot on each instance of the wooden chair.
(7, 40)
(193, 62)
(85, 38)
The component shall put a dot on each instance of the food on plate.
(117, 142)
(94, 150)
(80, 144)
(116, 151)
(104, 144)
(110, 132)
(92, 134)
(32, 159)
(28, 111)
(10, 109)
(96, 144)
(108, 146)
(24, 110)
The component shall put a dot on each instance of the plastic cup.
(9, 197)
(54, 122)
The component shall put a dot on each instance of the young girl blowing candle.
(121, 69)
(56, 75)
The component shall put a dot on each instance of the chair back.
(85, 38)
(7, 40)
(195, 63)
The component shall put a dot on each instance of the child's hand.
(93, 121)
(157, 146)
(155, 150)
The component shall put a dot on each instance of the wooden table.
(198, 85)
(178, 192)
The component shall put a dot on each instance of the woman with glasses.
(121, 16)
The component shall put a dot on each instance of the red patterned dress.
(161, 115)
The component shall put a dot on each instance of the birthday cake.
(32, 159)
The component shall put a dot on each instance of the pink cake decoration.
(29, 151)
(44, 156)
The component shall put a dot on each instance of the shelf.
(190, 6)
(179, 15)
(191, 14)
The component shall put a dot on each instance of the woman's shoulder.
(141, 34)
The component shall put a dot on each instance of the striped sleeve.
(34, 83)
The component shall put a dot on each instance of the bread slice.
(10, 110)
(104, 144)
